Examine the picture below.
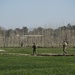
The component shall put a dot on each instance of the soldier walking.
(34, 48)
(64, 47)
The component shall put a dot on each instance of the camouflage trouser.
(64, 48)
(34, 51)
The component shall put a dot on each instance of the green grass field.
(36, 65)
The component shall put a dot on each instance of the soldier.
(64, 46)
(34, 48)
(21, 44)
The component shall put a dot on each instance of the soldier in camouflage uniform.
(34, 48)
(64, 46)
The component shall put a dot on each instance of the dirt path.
(42, 54)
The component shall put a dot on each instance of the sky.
(36, 13)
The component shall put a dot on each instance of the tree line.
(50, 37)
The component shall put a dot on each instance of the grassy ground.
(36, 65)
(39, 50)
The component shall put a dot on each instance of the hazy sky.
(35, 13)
